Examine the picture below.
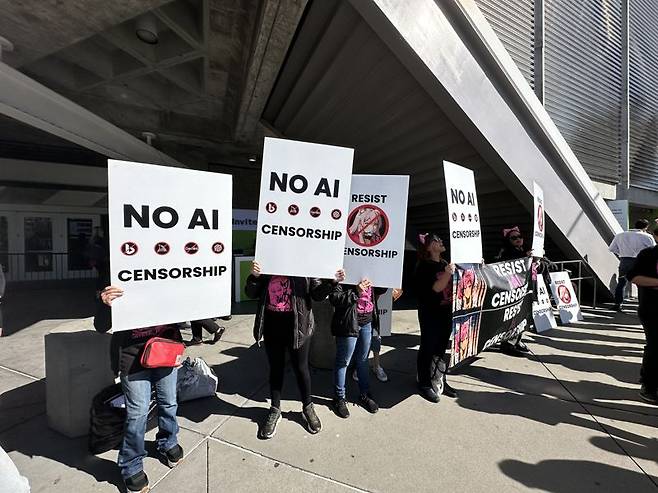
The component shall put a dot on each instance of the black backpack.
(106, 421)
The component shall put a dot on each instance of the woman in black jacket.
(355, 317)
(284, 320)
(433, 281)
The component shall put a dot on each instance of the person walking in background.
(355, 318)
(644, 274)
(626, 246)
(211, 326)
(433, 281)
(136, 384)
(284, 320)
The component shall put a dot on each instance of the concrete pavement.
(566, 418)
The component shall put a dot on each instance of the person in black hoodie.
(513, 248)
(355, 317)
(136, 383)
(433, 282)
(284, 320)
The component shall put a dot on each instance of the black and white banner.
(491, 303)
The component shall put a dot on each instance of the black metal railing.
(46, 266)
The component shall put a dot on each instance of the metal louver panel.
(513, 21)
(583, 80)
(643, 94)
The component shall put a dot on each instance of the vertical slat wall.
(513, 21)
(643, 94)
(583, 80)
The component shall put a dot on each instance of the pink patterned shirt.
(280, 294)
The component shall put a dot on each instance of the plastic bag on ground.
(196, 380)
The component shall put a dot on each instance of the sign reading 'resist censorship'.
(376, 224)
(304, 197)
(170, 244)
(464, 215)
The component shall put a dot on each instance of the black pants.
(649, 370)
(278, 338)
(198, 325)
(435, 331)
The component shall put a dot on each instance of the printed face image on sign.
(466, 335)
(169, 248)
(367, 225)
(375, 230)
(471, 290)
(564, 294)
(304, 196)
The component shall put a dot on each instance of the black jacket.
(345, 320)
(126, 346)
(305, 290)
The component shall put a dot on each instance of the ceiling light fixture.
(146, 29)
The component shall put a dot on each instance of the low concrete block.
(77, 368)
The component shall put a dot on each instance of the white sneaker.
(380, 374)
(355, 377)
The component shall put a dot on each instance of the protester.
(210, 325)
(513, 248)
(433, 281)
(355, 318)
(376, 347)
(644, 274)
(626, 246)
(137, 383)
(284, 320)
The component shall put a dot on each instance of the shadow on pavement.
(552, 475)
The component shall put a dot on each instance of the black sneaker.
(429, 394)
(368, 403)
(174, 455)
(137, 482)
(313, 423)
(509, 349)
(340, 407)
(649, 395)
(448, 391)
(618, 308)
(194, 342)
(218, 335)
(268, 428)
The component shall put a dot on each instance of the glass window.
(38, 244)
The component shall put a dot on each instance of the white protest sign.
(385, 310)
(565, 296)
(376, 224)
(304, 197)
(619, 209)
(170, 250)
(464, 215)
(542, 311)
(540, 223)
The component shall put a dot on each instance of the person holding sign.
(355, 317)
(284, 320)
(136, 383)
(513, 248)
(433, 280)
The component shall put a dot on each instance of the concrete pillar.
(77, 368)
(323, 345)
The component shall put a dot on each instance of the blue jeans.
(137, 389)
(345, 348)
(625, 264)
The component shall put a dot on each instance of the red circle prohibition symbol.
(367, 225)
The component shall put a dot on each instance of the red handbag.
(162, 353)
